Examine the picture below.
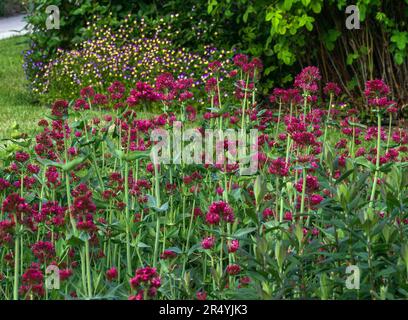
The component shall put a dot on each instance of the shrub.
(286, 35)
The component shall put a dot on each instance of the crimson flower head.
(34, 169)
(376, 92)
(312, 184)
(288, 216)
(116, 90)
(315, 199)
(52, 176)
(65, 274)
(277, 95)
(233, 269)
(22, 156)
(145, 279)
(32, 281)
(376, 89)
(81, 104)
(208, 243)
(392, 107)
(43, 250)
(257, 64)
(16, 204)
(164, 81)
(233, 246)
(268, 212)
(83, 208)
(59, 108)
(308, 78)
(214, 66)
(100, 99)
(332, 88)
(240, 60)
(279, 167)
(87, 92)
(167, 254)
(201, 295)
(211, 85)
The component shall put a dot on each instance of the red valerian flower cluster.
(279, 167)
(146, 282)
(32, 282)
(208, 243)
(83, 208)
(112, 274)
(308, 79)
(43, 250)
(377, 93)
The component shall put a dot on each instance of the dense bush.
(329, 192)
(284, 34)
(76, 14)
(299, 32)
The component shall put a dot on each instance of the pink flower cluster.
(146, 280)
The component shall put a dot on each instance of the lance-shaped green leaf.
(73, 163)
(135, 155)
(355, 124)
(65, 167)
(242, 232)
(404, 253)
(130, 156)
(25, 143)
(48, 163)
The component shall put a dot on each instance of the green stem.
(16, 265)
(127, 216)
(279, 119)
(389, 132)
(377, 166)
(187, 248)
(88, 268)
(158, 203)
(325, 127)
(302, 203)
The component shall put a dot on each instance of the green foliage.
(139, 50)
(285, 34)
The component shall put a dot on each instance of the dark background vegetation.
(286, 34)
(10, 7)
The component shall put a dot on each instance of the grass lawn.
(16, 106)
